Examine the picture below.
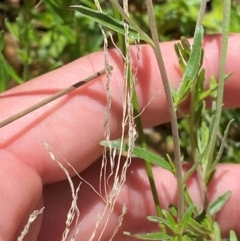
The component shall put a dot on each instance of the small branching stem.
(172, 112)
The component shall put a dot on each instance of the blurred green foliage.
(48, 35)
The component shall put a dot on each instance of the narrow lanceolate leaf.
(233, 236)
(13, 74)
(176, 238)
(217, 232)
(216, 205)
(192, 67)
(199, 228)
(185, 238)
(108, 21)
(186, 217)
(160, 221)
(150, 236)
(171, 221)
(141, 153)
(223, 142)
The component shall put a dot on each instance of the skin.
(73, 127)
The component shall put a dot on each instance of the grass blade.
(141, 153)
(107, 21)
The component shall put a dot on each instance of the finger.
(73, 125)
(20, 189)
(137, 197)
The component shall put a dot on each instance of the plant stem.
(193, 133)
(201, 14)
(118, 15)
(223, 53)
(172, 112)
(193, 129)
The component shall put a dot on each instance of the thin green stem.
(119, 15)
(223, 53)
(201, 14)
(172, 112)
(193, 133)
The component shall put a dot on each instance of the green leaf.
(185, 49)
(107, 21)
(217, 232)
(181, 61)
(23, 55)
(176, 238)
(3, 73)
(13, 28)
(141, 153)
(189, 200)
(12, 73)
(192, 67)
(211, 168)
(233, 236)
(160, 221)
(186, 217)
(212, 91)
(199, 228)
(185, 238)
(201, 216)
(203, 137)
(223, 142)
(3, 65)
(216, 205)
(172, 224)
(173, 210)
(2, 40)
(186, 45)
(200, 84)
(150, 236)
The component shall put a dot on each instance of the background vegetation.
(43, 35)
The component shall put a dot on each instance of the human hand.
(73, 127)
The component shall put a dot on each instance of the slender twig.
(119, 13)
(51, 98)
(223, 53)
(172, 112)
